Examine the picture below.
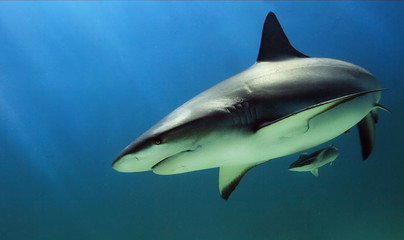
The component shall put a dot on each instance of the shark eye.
(157, 140)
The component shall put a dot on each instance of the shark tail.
(367, 132)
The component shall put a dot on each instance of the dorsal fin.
(274, 43)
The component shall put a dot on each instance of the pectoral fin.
(315, 172)
(230, 177)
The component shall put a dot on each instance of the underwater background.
(81, 80)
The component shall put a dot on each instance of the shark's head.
(178, 133)
(150, 149)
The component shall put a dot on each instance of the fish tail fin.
(367, 132)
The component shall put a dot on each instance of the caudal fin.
(367, 134)
(367, 131)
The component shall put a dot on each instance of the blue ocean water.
(81, 80)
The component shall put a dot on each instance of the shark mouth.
(174, 155)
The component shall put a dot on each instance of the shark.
(311, 162)
(285, 103)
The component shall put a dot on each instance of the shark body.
(311, 162)
(285, 103)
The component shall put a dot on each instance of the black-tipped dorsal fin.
(275, 45)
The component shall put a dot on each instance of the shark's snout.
(132, 158)
(123, 153)
(123, 162)
(143, 155)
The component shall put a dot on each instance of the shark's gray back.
(270, 90)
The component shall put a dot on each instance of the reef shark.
(311, 162)
(285, 103)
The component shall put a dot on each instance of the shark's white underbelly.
(288, 136)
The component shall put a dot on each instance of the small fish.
(311, 162)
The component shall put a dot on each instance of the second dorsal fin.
(275, 45)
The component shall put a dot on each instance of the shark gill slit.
(243, 114)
